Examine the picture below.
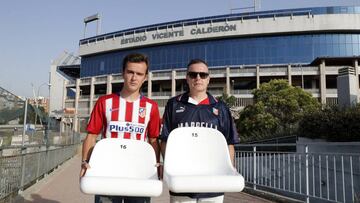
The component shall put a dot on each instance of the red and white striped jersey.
(115, 117)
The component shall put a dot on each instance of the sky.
(33, 33)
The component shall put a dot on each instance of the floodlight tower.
(95, 17)
(256, 7)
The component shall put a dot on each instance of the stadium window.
(355, 49)
(336, 38)
(342, 50)
(342, 39)
(349, 50)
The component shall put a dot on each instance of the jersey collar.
(185, 98)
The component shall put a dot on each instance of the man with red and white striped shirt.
(124, 115)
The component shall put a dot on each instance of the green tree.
(332, 123)
(8, 114)
(277, 110)
(229, 100)
(31, 111)
(256, 124)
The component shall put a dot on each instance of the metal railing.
(117, 77)
(241, 91)
(101, 79)
(85, 81)
(162, 74)
(19, 171)
(161, 93)
(303, 171)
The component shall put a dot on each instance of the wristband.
(158, 164)
(84, 162)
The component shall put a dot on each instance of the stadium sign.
(178, 33)
(211, 29)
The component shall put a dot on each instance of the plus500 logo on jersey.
(126, 127)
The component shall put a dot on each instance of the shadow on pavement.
(35, 198)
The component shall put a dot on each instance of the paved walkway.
(62, 186)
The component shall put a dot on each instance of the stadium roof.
(225, 18)
(69, 64)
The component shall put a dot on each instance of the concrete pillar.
(77, 96)
(108, 84)
(257, 76)
(61, 128)
(289, 74)
(228, 92)
(173, 83)
(92, 94)
(356, 66)
(322, 83)
(63, 104)
(65, 82)
(149, 85)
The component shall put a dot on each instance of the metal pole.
(254, 185)
(98, 27)
(24, 125)
(46, 132)
(36, 103)
(23, 150)
(302, 77)
(307, 173)
(85, 30)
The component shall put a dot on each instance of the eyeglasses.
(194, 75)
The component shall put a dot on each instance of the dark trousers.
(120, 199)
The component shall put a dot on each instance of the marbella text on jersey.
(198, 124)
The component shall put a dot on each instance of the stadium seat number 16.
(194, 134)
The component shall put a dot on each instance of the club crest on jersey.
(142, 112)
(215, 111)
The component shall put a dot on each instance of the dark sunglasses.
(194, 75)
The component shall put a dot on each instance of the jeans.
(120, 199)
(185, 199)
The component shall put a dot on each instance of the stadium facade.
(306, 46)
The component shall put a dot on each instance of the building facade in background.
(40, 102)
(306, 46)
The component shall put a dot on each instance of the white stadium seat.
(197, 160)
(122, 167)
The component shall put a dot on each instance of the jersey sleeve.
(154, 122)
(166, 122)
(97, 118)
(231, 134)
